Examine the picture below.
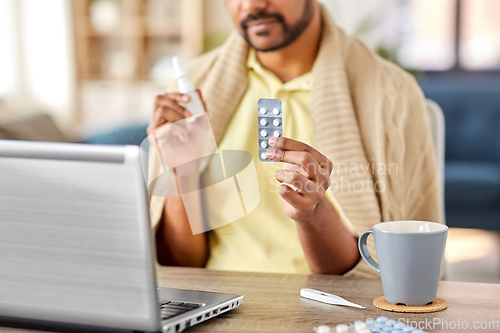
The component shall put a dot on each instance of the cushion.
(472, 114)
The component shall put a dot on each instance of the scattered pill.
(360, 326)
(399, 326)
(342, 328)
(323, 329)
(381, 325)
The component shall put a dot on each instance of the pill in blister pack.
(270, 124)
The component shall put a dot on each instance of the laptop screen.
(75, 240)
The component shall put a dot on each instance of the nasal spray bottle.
(197, 109)
(195, 105)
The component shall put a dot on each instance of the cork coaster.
(438, 305)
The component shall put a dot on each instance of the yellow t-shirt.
(266, 239)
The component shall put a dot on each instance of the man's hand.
(176, 245)
(167, 110)
(304, 179)
(328, 244)
(180, 139)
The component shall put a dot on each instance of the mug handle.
(363, 250)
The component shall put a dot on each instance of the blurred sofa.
(37, 127)
(471, 105)
(132, 134)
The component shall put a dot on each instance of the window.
(426, 35)
(7, 46)
(479, 47)
(36, 56)
(432, 29)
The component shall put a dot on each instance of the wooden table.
(272, 302)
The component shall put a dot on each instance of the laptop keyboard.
(170, 309)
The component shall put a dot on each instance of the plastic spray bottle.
(195, 104)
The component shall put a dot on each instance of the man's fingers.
(300, 158)
(294, 145)
(296, 180)
(162, 116)
(301, 184)
(167, 111)
(294, 198)
(156, 121)
(170, 104)
(181, 98)
(297, 168)
(172, 101)
(169, 115)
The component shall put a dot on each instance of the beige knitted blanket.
(369, 118)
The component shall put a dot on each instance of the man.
(356, 137)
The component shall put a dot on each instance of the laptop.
(76, 246)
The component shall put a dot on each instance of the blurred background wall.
(97, 63)
(88, 71)
(92, 64)
(37, 59)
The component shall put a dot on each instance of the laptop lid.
(75, 240)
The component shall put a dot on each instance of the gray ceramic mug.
(410, 254)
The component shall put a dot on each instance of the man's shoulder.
(206, 58)
(199, 66)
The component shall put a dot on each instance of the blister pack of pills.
(270, 117)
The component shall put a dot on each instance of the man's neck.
(297, 58)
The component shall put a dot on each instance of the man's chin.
(260, 43)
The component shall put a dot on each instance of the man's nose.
(254, 6)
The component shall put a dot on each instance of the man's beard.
(291, 33)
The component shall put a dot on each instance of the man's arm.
(330, 248)
(175, 243)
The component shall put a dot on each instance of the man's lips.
(261, 25)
